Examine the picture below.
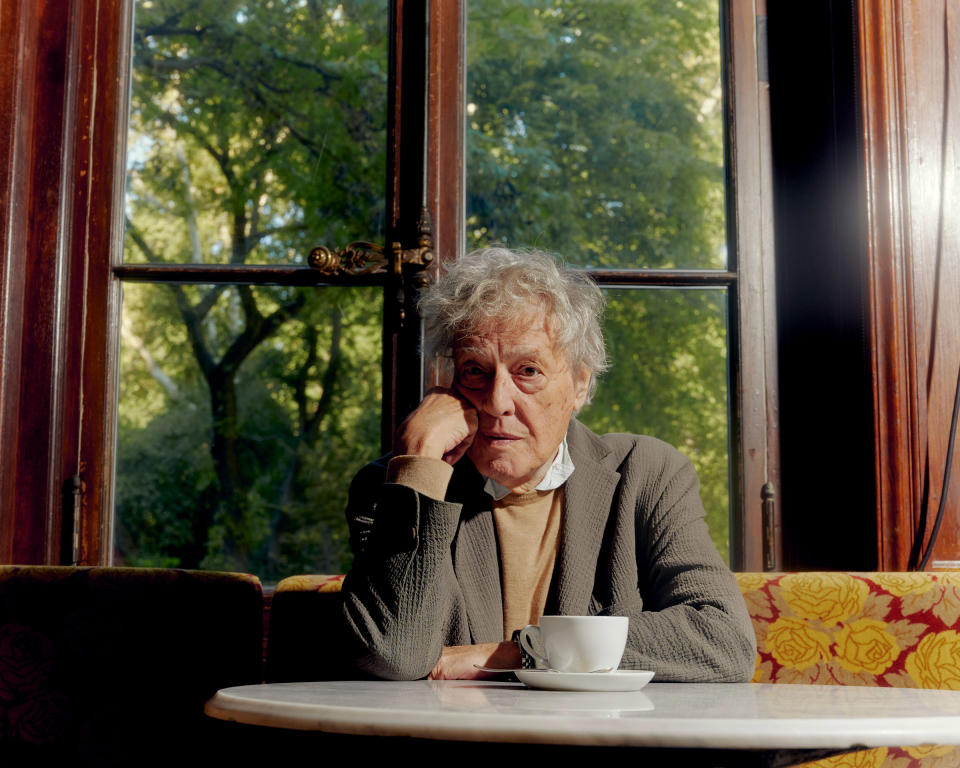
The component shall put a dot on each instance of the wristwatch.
(526, 660)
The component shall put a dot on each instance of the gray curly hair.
(501, 284)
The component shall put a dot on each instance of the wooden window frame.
(67, 83)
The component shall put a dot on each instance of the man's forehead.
(529, 333)
(532, 343)
(478, 346)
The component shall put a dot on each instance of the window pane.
(668, 378)
(594, 130)
(257, 129)
(240, 427)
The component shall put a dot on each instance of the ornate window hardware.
(361, 258)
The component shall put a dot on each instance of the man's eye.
(529, 371)
(471, 371)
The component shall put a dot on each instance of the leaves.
(595, 132)
(257, 130)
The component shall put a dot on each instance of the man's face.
(524, 392)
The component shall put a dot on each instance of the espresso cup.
(576, 643)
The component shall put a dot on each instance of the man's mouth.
(499, 437)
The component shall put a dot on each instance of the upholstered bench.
(112, 666)
(829, 628)
(836, 628)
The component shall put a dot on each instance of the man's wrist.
(427, 476)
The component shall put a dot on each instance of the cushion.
(112, 666)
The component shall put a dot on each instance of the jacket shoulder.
(643, 448)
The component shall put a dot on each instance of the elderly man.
(497, 506)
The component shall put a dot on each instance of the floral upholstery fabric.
(112, 666)
(310, 583)
(883, 629)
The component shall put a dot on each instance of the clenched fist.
(441, 427)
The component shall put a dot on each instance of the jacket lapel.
(475, 559)
(588, 497)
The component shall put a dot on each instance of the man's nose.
(498, 398)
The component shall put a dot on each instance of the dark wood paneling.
(62, 95)
(32, 257)
(911, 52)
(18, 29)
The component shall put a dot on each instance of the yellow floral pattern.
(793, 643)
(826, 597)
(311, 583)
(900, 584)
(936, 661)
(885, 629)
(866, 646)
(868, 758)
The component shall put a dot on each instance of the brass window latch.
(362, 258)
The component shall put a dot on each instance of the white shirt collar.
(561, 468)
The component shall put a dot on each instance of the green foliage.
(257, 131)
(668, 379)
(594, 131)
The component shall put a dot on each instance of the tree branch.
(329, 378)
(257, 331)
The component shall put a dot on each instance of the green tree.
(257, 131)
(595, 132)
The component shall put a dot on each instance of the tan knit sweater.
(528, 529)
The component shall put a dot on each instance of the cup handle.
(526, 642)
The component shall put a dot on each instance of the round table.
(673, 715)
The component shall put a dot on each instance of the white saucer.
(618, 680)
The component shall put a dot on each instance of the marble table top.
(691, 715)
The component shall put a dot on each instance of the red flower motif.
(40, 719)
(25, 661)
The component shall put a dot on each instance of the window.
(257, 131)
(423, 158)
(596, 132)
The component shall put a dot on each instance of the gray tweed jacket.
(633, 543)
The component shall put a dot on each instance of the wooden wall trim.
(931, 110)
(64, 106)
(446, 173)
(752, 315)
(910, 57)
(34, 303)
(17, 62)
(446, 182)
(101, 70)
(892, 340)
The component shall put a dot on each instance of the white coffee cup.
(576, 643)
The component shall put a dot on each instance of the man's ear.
(581, 387)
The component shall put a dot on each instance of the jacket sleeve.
(398, 597)
(694, 625)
